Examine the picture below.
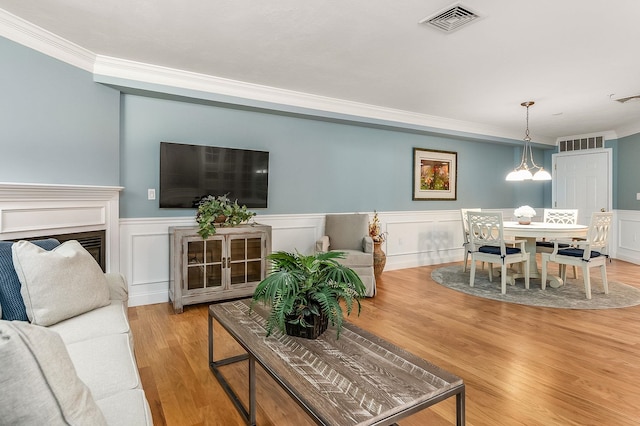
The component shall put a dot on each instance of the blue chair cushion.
(10, 298)
(496, 250)
(576, 252)
(549, 244)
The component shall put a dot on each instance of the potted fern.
(305, 291)
(219, 211)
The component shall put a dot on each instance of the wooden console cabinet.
(227, 265)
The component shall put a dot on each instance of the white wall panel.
(626, 236)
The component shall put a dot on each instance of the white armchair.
(349, 233)
(588, 253)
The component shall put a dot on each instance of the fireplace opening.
(92, 241)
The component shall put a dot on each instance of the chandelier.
(527, 165)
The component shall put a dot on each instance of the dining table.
(534, 231)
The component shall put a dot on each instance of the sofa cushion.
(39, 382)
(10, 297)
(346, 231)
(58, 284)
(126, 408)
(110, 319)
(356, 258)
(106, 364)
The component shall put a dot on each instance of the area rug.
(569, 296)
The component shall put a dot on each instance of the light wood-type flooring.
(522, 365)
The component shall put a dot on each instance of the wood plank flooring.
(522, 365)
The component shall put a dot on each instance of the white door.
(582, 180)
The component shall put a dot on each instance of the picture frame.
(435, 175)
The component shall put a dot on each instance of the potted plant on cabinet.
(219, 211)
(305, 291)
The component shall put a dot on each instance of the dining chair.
(565, 216)
(487, 244)
(465, 235)
(585, 254)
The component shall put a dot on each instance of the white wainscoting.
(626, 236)
(414, 239)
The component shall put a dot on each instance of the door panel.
(582, 180)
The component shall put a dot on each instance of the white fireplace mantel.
(32, 210)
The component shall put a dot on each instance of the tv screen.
(190, 172)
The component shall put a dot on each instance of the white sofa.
(59, 373)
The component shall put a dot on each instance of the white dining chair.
(585, 254)
(465, 235)
(565, 216)
(487, 244)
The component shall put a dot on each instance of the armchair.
(349, 233)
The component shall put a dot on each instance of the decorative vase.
(379, 258)
(524, 220)
(317, 325)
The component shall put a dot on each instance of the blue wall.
(627, 173)
(60, 126)
(315, 166)
(56, 124)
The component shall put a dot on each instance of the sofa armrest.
(367, 244)
(118, 289)
(322, 244)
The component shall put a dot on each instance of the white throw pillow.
(58, 284)
(39, 382)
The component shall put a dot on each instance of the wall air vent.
(451, 18)
(593, 142)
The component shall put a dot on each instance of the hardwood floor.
(522, 365)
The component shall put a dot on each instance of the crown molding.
(43, 41)
(624, 131)
(132, 71)
(27, 34)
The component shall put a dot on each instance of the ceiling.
(571, 57)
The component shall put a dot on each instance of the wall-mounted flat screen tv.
(190, 172)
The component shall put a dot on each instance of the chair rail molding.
(415, 238)
(34, 210)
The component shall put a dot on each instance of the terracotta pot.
(524, 220)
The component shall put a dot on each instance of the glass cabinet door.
(204, 264)
(245, 255)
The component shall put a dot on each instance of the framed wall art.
(434, 174)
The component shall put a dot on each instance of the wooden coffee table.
(359, 379)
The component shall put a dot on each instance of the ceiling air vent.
(451, 19)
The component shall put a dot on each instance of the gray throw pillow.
(39, 382)
(59, 284)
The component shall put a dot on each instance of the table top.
(359, 379)
(547, 230)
